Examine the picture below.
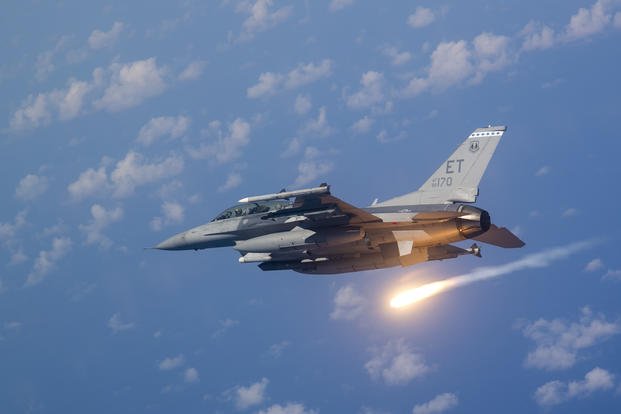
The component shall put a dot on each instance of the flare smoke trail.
(535, 260)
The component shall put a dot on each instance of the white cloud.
(559, 342)
(396, 364)
(234, 179)
(99, 39)
(543, 171)
(173, 213)
(439, 404)
(617, 20)
(130, 84)
(293, 147)
(191, 375)
(318, 127)
(557, 392)
(271, 83)
(134, 171)
(421, 17)
(225, 147)
(170, 363)
(537, 37)
(288, 408)
(90, 182)
(613, 274)
(193, 71)
(336, 5)
(45, 60)
(570, 212)
(587, 22)
(348, 304)
(47, 259)
(163, 126)
(396, 58)
(363, 125)
(491, 52)
(307, 73)
(252, 395)
(118, 87)
(594, 265)
(312, 166)
(225, 325)
(276, 350)
(8, 230)
(302, 104)
(31, 187)
(101, 218)
(371, 93)
(117, 325)
(261, 16)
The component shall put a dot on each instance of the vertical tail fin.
(457, 179)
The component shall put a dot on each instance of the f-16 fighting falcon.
(312, 231)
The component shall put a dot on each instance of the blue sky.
(126, 123)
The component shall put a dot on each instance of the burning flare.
(535, 260)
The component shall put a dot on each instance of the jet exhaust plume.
(536, 260)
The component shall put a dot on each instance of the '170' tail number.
(442, 182)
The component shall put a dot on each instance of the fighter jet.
(312, 231)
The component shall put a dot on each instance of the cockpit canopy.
(247, 209)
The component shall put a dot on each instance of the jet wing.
(501, 237)
(356, 215)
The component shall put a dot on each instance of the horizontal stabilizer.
(501, 237)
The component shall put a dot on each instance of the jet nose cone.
(176, 242)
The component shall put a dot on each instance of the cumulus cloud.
(613, 274)
(134, 171)
(31, 187)
(371, 91)
(587, 22)
(439, 404)
(557, 392)
(117, 87)
(191, 375)
(317, 127)
(90, 182)
(302, 104)
(271, 83)
(45, 60)
(397, 58)
(570, 212)
(224, 146)
(261, 16)
(421, 17)
(170, 363)
(542, 171)
(225, 325)
(251, 395)
(559, 342)
(47, 259)
(9, 231)
(128, 174)
(99, 39)
(312, 166)
(116, 324)
(276, 350)
(173, 213)
(234, 179)
(193, 71)
(130, 84)
(396, 364)
(594, 265)
(363, 125)
(336, 5)
(101, 218)
(288, 408)
(349, 304)
(537, 36)
(163, 126)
